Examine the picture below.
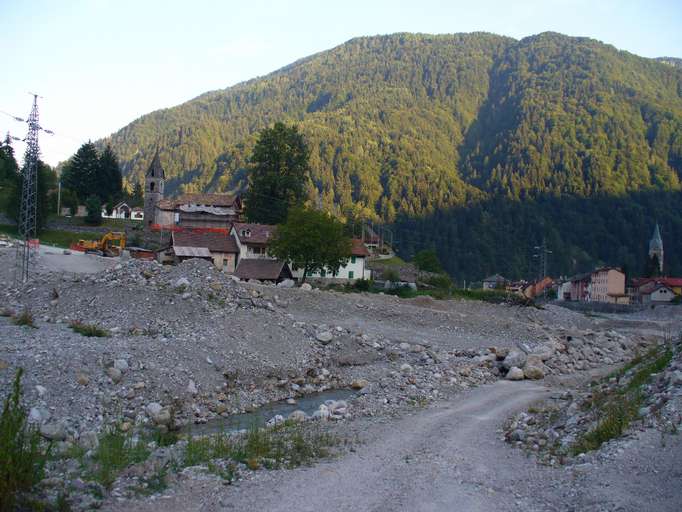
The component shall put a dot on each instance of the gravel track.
(448, 457)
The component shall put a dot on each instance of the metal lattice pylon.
(29, 195)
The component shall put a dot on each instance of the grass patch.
(283, 446)
(56, 237)
(89, 330)
(25, 318)
(618, 409)
(23, 455)
(116, 451)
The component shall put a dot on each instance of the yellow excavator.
(111, 244)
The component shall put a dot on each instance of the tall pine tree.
(109, 176)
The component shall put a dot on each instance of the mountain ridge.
(407, 125)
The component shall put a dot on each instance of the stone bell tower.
(153, 190)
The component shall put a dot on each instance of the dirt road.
(447, 458)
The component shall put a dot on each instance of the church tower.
(154, 182)
(656, 248)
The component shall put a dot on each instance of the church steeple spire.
(656, 247)
(155, 170)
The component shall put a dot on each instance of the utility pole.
(542, 253)
(29, 194)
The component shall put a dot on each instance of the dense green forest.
(412, 128)
(500, 234)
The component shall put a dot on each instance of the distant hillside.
(410, 125)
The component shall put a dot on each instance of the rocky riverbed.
(189, 345)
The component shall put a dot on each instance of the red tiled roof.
(262, 269)
(214, 242)
(358, 248)
(258, 234)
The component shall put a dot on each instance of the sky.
(100, 64)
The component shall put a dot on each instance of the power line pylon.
(29, 195)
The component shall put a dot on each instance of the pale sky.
(100, 64)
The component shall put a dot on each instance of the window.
(351, 274)
(151, 186)
(323, 273)
(352, 259)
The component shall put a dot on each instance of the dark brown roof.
(259, 234)
(214, 242)
(224, 200)
(207, 199)
(262, 269)
(358, 248)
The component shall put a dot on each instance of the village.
(211, 227)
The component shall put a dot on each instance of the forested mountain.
(407, 127)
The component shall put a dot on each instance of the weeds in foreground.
(618, 409)
(116, 451)
(283, 446)
(89, 330)
(24, 318)
(22, 452)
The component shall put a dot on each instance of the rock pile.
(641, 392)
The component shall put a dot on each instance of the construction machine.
(111, 244)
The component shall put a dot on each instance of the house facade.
(354, 269)
(252, 239)
(605, 284)
(220, 248)
(641, 289)
(608, 285)
(494, 282)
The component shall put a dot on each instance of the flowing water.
(258, 418)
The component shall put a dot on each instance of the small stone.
(359, 383)
(405, 369)
(34, 415)
(114, 374)
(515, 373)
(192, 388)
(125, 426)
(82, 379)
(181, 283)
(286, 283)
(53, 431)
(89, 440)
(514, 358)
(306, 287)
(324, 337)
(533, 372)
(298, 416)
(121, 364)
(41, 390)
(275, 420)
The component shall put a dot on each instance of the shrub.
(21, 451)
(89, 330)
(363, 285)
(391, 275)
(441, 281)
(24, 318)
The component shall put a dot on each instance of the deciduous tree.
(311, 240)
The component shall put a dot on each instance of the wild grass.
(25, 318)
(89, 330)
(116, 451)
(283, 446)
(23, 454)
(618, 409)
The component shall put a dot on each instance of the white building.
(356, 267)
(123, 211)
(252, 239)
